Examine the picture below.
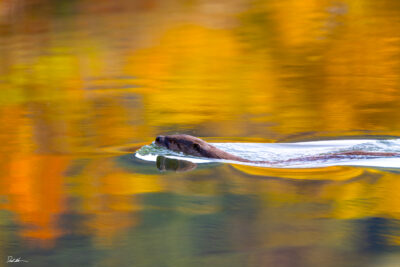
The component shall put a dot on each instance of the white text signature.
(11, 259)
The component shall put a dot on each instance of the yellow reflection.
(334, 173)
(110, 196)
(125, 184)
(364, 198)
(307, 20)
(279, 68)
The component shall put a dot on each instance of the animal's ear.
(196, 147)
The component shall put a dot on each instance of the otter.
(194, 146)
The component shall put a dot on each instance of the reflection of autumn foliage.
(374, 194)
(109, 196)
(36, 195)
(70, 85)
(289, 66)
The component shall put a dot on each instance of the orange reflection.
(36, 195)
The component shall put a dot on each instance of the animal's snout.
(160, 139)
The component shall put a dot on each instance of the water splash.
(294, 155)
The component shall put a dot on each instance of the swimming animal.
(194, 146)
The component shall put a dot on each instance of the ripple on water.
(293, 155)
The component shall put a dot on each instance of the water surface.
(84, 84)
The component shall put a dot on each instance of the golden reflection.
(377, 198)
(308, 20)
(335, 173)
(76, 89)
(352, 193)
(109, 196)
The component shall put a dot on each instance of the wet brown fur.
(194, 146)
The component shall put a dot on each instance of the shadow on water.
(377, 234)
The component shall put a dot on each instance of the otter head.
(184, 143)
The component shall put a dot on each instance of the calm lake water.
(83, 84)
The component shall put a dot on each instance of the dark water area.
(84, 84)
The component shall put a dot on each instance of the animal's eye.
(196, 147)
